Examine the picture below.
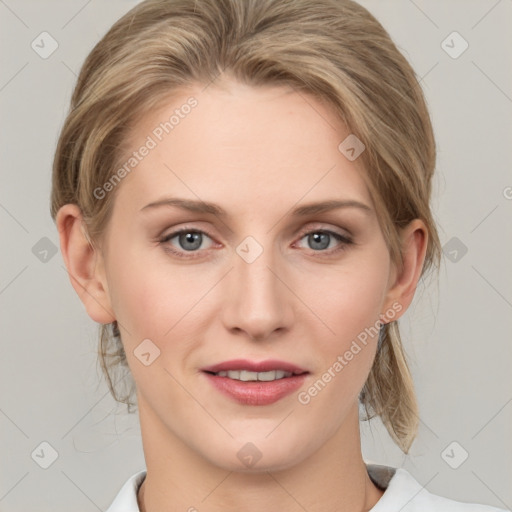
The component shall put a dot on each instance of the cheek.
(141, 296)
(352, 299)
(346, 353)
(153, 302)
(154, 299)
(350, 305)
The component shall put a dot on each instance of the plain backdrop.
(457, 334)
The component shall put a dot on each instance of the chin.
(260, 455)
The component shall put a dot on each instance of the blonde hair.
(332, 49)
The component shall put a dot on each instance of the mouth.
(249, 376)
(255, 383)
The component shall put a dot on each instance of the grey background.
(457, 334)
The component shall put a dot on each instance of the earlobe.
(84, 264)
(414, 238)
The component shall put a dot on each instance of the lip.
(256, 392)
(254, 366)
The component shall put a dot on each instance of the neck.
(334, 478)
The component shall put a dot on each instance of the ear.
(403, 281)
(84, 264)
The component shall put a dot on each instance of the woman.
(242, 194)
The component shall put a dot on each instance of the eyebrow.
(307, 209)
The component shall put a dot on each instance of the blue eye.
(320, 240)
(189, 242)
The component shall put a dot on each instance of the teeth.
(245, 375)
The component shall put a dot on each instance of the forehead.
(243, 144)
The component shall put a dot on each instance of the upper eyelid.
(300, 234)
(304, 230)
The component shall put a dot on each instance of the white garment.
(401, 493)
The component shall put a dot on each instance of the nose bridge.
(258, 302)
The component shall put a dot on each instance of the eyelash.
(345, 241)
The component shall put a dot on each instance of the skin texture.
(257, 153)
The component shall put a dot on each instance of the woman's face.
(255, 279)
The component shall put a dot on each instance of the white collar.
(401, 492)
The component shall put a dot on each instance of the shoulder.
(126, 499)
(403, 492)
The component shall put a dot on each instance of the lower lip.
(257, 393)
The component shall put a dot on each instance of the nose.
(258, 302)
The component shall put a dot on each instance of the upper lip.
(254, 366)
